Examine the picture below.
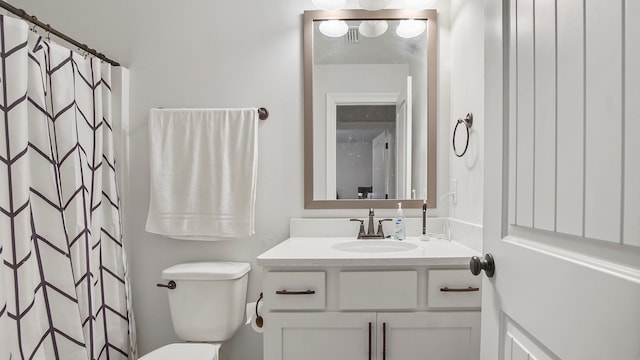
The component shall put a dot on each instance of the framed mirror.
(370, 82)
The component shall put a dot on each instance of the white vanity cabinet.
(319, 336)
(378, 313)
(428, 335)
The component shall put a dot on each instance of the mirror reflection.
(365, 151)
(369, 108)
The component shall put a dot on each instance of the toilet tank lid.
(210, 270)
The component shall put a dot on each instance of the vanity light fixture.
(410, 28)
(330, 4)
(333, 28)
(373, 28)
(373, 5)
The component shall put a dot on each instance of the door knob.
(476, 265)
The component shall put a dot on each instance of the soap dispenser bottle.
(400, 230)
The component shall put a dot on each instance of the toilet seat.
(191, 351)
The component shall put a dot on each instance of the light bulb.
(410, 28)
(420, 4)
(373, 5)
(373, 28)
(333, 28)
(330, 4)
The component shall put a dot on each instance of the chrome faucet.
(371, 233)
(370, 230)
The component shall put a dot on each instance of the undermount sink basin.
(374, 246)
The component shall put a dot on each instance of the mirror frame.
(432, 90)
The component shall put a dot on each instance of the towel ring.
(467, 121)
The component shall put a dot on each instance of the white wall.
(245, 53)
(467, 88)
(217, 54)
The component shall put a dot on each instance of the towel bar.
(263, 113)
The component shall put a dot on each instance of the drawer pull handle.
(384, 341)
(300, 292)
(469, 289)
(370, 342)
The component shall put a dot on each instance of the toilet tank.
(208, 302)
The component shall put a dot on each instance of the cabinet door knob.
(476, 265)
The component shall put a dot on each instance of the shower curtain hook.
(83, 48)
(48, 28)
(34, 22)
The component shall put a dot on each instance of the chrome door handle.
(476, 265)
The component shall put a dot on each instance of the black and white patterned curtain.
(63, 280)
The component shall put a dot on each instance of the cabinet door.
(429, 336)
(319, 336)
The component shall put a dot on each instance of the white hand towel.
(203, 173)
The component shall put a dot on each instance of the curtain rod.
(34, 20)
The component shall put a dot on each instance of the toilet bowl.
(207, 308)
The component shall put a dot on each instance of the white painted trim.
(495, 207)
(120, 95)
(592, 253)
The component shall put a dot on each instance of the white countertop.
(318, 251)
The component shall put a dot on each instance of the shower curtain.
(63, 280)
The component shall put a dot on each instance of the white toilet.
(207, 307)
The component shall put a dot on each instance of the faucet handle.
(361, 232)
(380, 232)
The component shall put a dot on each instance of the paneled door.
(562, 175)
